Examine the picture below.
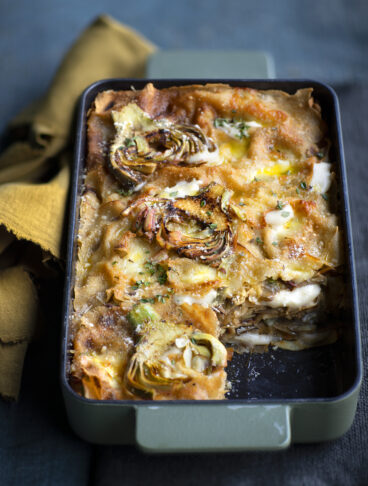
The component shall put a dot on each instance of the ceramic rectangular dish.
(278, 397)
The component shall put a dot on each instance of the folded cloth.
(34, 178)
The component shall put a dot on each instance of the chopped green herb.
(150, 300)
(274, 243)
(161, 274)
(273, 194)
(233, 111)
(241, 127)
(303, 185)
(125, 192)
(259, 241)
(114, 262)
(203, 203)
(241, 203)
(325, 197)
(208, 213)
(140, 283)
(280, 205)
(129, 142)
(256, 179)
(297, 190)
(285, 214)
(150, 268)
(219, 122)
(207, 244)
(320, 155)
(173, 194)
(213, 226)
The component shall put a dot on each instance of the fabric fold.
(35, 172)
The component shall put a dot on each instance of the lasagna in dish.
(207, 227)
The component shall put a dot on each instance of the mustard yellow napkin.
(32, 203)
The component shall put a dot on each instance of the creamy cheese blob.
(321, 178)
(210, 158)
(254, 339)
(204, 301)
(181, 189)
(252, 124)
(298, 298)
(279, 217)
(237, 129)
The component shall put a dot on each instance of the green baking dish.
(278, 398)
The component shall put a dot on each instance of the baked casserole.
(207, 226)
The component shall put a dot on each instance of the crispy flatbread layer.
(208, 225)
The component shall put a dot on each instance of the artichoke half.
(196, 227)
(168, 355)
(141, 144)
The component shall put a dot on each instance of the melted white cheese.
(181, 342)
(300, 297)
(204, 301)
(321, 178)
(210, 158)
(254, 339)
(253, 124)
(279, 217)
(195, 273)
(181, 189)
(236, 129)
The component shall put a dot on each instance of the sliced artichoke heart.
(194, 226)
(214, 347)
(168, 353)
(142, 143)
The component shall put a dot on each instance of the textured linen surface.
(32, 203)
(37, 446)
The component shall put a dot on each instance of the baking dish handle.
(212, 427)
